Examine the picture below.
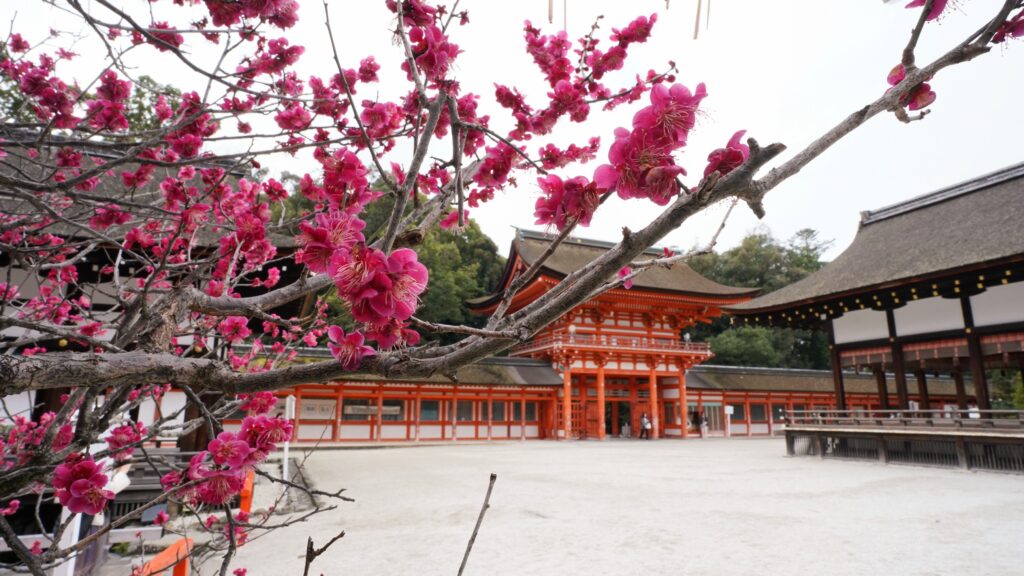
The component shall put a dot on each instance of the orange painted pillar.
(245, 496)
(683, 407)
(567, 401)
(746, 409)
(522, 418)
(380, 415)
(419, 406)
(175, 557)
(298, 413)
(652, 383)
(490, 412)
(600, 400)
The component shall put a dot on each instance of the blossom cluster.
(217, 474)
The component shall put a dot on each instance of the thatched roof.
(742, 379)
(963, 227)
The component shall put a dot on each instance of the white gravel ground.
(628, 507)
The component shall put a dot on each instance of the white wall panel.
(860, 325)
(315, 432)
(354, 432)
(928, 315)
(429, 432)
(999, 305)
(393, 432)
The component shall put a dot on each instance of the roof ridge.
(579, 241)
(942, 194)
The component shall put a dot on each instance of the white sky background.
(785, 70)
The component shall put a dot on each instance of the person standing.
(645, 426)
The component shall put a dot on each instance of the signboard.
(729, 410)
(360, 410)
(317, 408)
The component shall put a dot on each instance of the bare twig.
(479, 521)
(313, 553)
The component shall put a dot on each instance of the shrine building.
(932, 285)
(624, 352)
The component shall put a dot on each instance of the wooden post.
(567, 400)
(684, 410)
(922, 391)
(883, 390)
(419, 408)
(837, 369)
(746, 414)
(977, 359)
(522, 417)
(978, 373)
(600, 399)
(903, 398)
(961, 392)
(490, 413)
(298, 413)
(961, 453)
(652, 385)
(380, 414)
(337, 415)
(455, 416)
(901, 377)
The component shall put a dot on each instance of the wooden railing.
(615, 342)
(971, 418)
(968, 439)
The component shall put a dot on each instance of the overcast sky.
(785, 70)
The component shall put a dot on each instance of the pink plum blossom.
(78, 485)
(623, 274)
(348, 349)
(234, 328)
(725, 160)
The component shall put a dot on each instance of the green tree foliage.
(761, 261)
(1018, 395)
(1006, 389)
(746, 346)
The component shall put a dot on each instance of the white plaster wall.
(315, 432)
(759, 428)
(354, 432)
(429, 431)
(999, 305)
(860, 325)
(928, 315)
(394, 432)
